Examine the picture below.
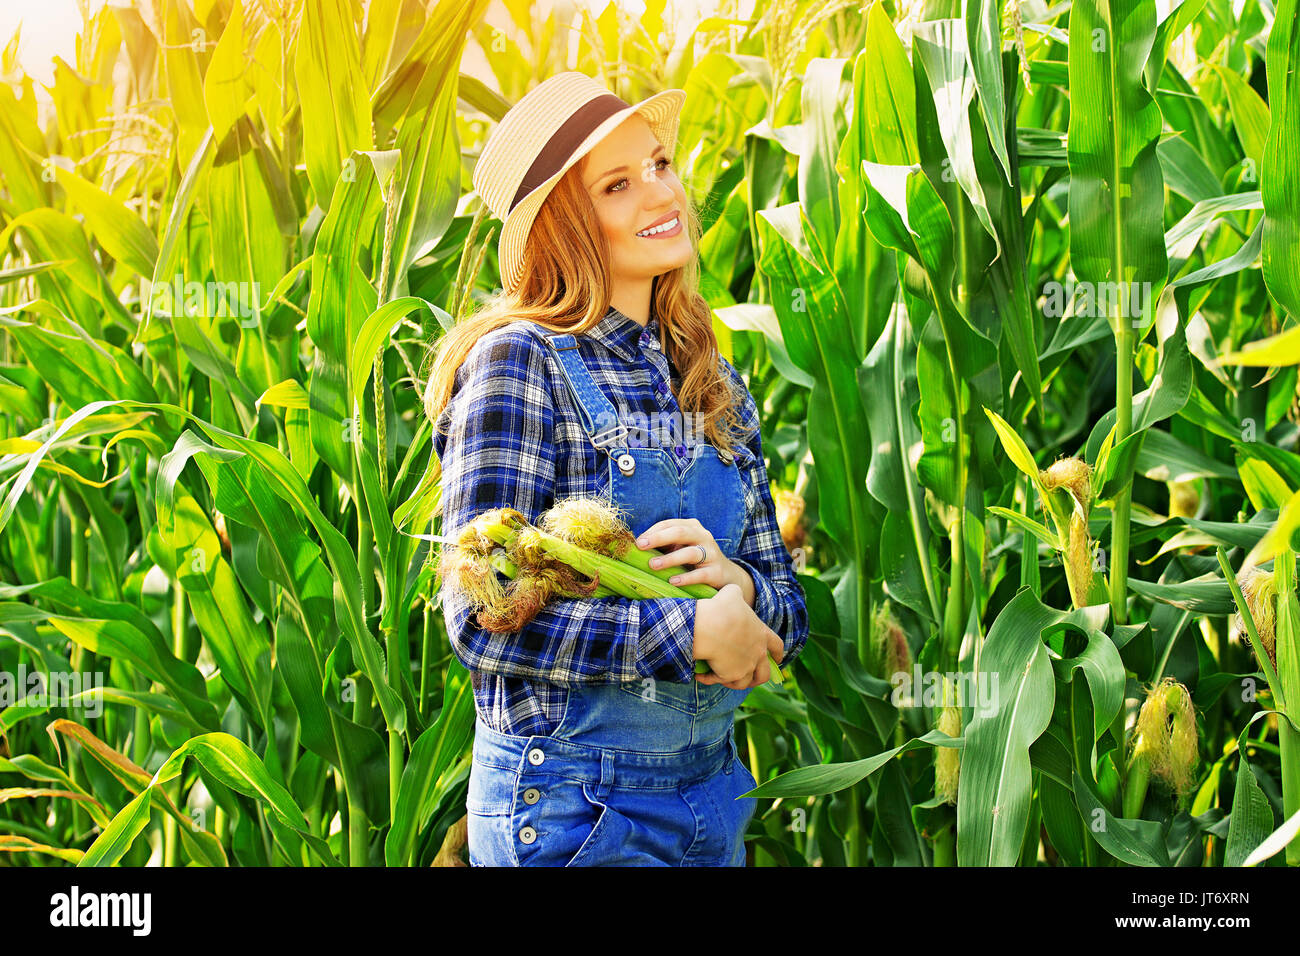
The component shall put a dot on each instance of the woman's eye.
(619, 182)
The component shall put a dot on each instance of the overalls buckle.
(610, 436)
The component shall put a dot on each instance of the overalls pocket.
(721, 818)
(562, 820)
(595, 849)
(488, 805)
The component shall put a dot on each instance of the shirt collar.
(622, 335)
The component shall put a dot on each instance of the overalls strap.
(599, 417)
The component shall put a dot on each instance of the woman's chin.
(673, 257)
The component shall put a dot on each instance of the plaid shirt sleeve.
(779, 600)
(500, 452)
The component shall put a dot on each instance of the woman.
(596, 743)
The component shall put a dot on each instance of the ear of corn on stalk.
(453, 843)
(1184, 498)
(789, 517)
(1260, 592)
(581, 549)
(890, 651)
(1164, 744)
(947, 760)
(1067, 491)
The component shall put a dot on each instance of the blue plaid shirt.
(515, 438)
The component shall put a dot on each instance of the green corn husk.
(1260, 591)
(596, 525)
(1068, 482)
(543, 565)
(947, 760)
(891, 654)
(1165, 744)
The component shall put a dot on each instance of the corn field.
(1015, 286)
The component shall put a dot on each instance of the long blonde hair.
(567, 288)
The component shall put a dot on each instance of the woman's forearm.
(575, 642)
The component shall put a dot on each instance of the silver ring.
(704, 555)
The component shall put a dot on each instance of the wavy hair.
(567, 288)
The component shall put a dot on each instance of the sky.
(49, 29)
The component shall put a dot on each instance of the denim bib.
(639, 774)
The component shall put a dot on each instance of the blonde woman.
(596, 372)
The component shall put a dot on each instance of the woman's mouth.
(662, 231)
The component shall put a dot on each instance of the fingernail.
(642, 542)
(654, 562)
(674, 579)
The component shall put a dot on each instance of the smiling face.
(633, 187)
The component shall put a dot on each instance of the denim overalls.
(639, 774)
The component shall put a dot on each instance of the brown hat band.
(565, 140)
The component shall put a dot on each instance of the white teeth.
(670, 224)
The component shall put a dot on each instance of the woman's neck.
(633, 300)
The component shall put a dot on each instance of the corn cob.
(543, 565)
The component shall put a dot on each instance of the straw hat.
(552, 127)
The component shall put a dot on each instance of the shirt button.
(681, 451)
(527, 835)
(532, 795)
(535, 756)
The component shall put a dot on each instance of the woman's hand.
(681, 539)
(734, 642)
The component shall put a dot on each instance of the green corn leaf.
(1252, 815)
(333, 94)
(118, 229)
(1015, 447)
(116, 839)
(232, 763)
(993, 793)
(1279, 173)
(432, 756)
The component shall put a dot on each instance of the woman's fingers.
(661, 533)
(680, 543)
(740, 683)
(687, 556)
